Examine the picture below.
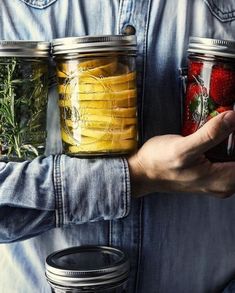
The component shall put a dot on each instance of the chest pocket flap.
(223, 10)
(40, 4)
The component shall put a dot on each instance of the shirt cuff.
(88, 190)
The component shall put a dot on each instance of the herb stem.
(17, 147)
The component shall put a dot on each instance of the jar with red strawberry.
(210, 89)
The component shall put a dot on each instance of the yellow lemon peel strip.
(89, 88)
(85, 136)
(102, 96)
(113, 112)
(118, 112)
(103, 125)
(97, 104)
(104, 146)
(111, 120)
(88, 71)
(112, 134)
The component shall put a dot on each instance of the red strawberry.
(194, 90)
(194, 69)
(198, 105)
(219, 110)
(189, 127)
(194, 93)
(222, 86)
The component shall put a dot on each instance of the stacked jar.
(210, 89)
(23, 99)
(90, 269)
(97, 94)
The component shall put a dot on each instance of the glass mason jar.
(97, 94)
(90, 269)
(23, 99)
(210, 89)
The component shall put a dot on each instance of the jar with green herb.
(23, 99)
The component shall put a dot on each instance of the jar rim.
(91, 44)
(59, 273)
(215, 47)
(23, 48)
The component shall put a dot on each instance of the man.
(176, 242)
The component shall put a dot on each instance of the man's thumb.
(211, 133)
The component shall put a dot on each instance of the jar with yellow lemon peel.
(97, 94)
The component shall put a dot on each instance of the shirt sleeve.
(55, 191)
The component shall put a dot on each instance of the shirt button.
(129, 30)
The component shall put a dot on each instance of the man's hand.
(174, 163)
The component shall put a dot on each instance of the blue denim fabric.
(230, 288)
(177, 243)
(47, 194)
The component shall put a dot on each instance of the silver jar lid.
(214, 47)
(87, 266)
(24, 48)
(93, 44)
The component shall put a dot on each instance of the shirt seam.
(214, 6)
(126, 188)
(58, 191)
(37, 5)
(222, 16)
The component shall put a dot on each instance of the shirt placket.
(127, 233)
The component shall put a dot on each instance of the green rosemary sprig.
(22, 107)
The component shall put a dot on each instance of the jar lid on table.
(21, 48)
(215, 47)
(85, 266)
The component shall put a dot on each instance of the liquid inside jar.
(210, 91)
(97, 101)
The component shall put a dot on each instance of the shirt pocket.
(40, 4)
(223, 10)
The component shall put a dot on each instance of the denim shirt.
(177, 243)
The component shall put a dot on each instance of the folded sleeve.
(55, 191)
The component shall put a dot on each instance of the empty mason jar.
(23, 99)
(210, 89)
(90, 269)
(97, 94)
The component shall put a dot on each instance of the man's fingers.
(221, 179)
(210, 134)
